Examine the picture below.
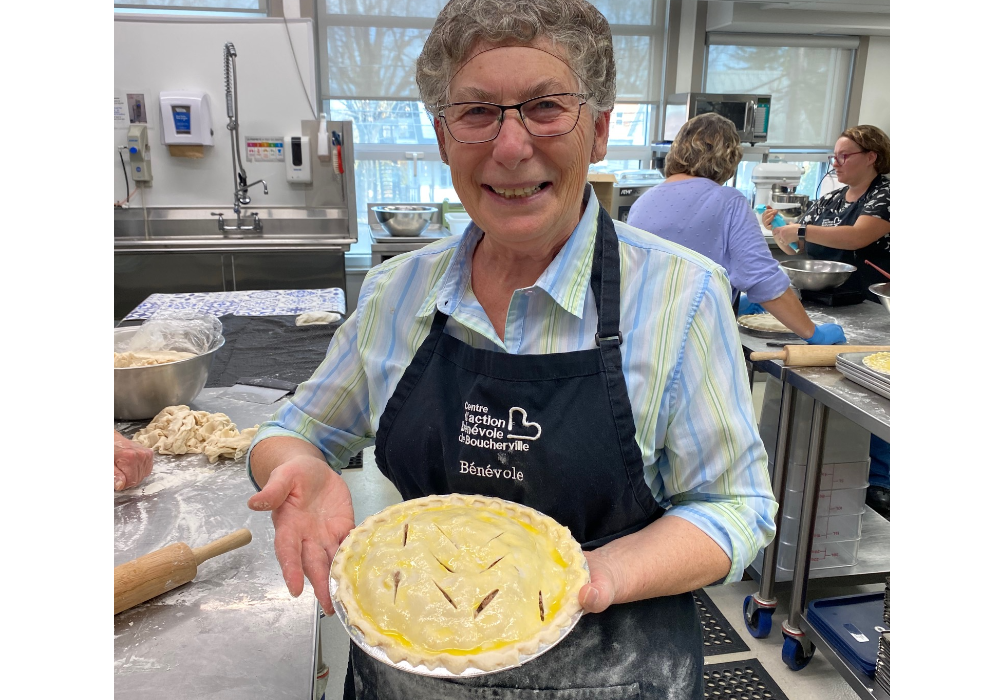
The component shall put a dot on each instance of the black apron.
(865, 275)
(554, 432)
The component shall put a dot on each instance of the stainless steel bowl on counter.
(142, 392)
(792, 206)
(404, 219)
(881, 290)
(816, 275)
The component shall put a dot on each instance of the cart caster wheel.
(793, 654)
(758, 621)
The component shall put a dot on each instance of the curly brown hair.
(871, 138)
(706, 146)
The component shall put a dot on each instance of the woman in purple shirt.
(693, 208)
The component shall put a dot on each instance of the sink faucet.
(241, 193)
(256, 226)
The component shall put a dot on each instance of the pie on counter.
(878, 361)
(459, 581)
(763, 322)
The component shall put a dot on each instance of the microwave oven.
(750, 113)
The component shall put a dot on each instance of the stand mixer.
(774, 178)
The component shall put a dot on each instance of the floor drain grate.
(718, 635)
(740, 680)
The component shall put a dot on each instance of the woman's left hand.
(599, 594)
(784, 235)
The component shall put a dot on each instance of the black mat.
(718, 635)
(268, 346)
(740, 680)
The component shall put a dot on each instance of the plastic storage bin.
(822, 556)
(852, 625)
(830, 528)
(850, 475)
(832, 502)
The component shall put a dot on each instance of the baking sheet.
(867, 382)
(869, 375)
(855, 361)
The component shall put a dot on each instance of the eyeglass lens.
(841, 159)
(548, 115)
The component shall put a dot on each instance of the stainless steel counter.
(866, 323)
(384, 245)
(229, 244)
(233, 632)
(853, 401)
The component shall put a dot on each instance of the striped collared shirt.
(682, 361)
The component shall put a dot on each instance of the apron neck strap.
(605, 280)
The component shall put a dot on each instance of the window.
(228, 8)
(808, 77)
(368, 49)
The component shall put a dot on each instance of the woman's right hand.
(312, 513)
(768, 216)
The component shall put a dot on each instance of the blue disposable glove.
(747, 308)
(827, 334)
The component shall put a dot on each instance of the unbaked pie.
(763, 322)
(459, 581)
(878, 361)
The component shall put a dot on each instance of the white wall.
(875, 92)
(151, 56)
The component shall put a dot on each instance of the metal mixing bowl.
(142, 392)
(881, 290)
(816, 275)
(404, 219)
(792, 206)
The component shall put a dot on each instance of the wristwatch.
(802, 231)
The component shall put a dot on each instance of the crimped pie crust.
(476, 594)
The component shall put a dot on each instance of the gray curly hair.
(574, 26)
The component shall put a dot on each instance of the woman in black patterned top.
(851, 224)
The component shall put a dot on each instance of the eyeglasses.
(840, 160)
(547, 115)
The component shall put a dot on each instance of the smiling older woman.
(619, 347)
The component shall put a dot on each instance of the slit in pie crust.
(459, 581)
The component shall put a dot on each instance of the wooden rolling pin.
(165, 569)
(813, 355)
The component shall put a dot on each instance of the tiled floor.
(818, 681)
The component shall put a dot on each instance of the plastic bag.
(181, 331)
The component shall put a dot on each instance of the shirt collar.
(566, 279)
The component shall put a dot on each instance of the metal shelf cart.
(864, 324)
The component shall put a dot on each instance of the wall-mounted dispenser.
(298, 159)
(138, 153)
(186, 119)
